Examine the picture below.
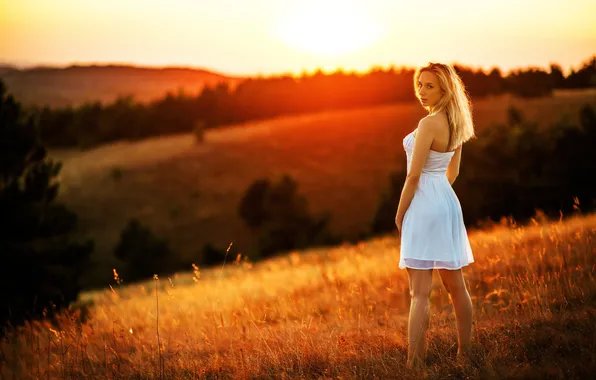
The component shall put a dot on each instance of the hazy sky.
(248, 37)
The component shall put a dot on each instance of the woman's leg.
(456, 287)
(420, 288)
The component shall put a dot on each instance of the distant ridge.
(77, 84)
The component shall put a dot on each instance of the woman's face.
(428, 89)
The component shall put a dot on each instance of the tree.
(556, 75)
(280, 218)
(384, 219)
(41, 259)
(144, 253)
(584, 77)
(252, 208)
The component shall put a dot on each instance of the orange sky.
(248, 37)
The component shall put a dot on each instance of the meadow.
(335, 313)
(188, 193)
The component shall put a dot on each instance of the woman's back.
(436, 162)
(442, 132)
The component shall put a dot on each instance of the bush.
(199, 131)
(143, 252)
(210, 255)
(384, 219)
(42, 261)
(280, 218)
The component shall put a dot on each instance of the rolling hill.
(75, 85)
(189, 192)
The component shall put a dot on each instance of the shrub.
(280, 218)
(143, 252)
(384, 218)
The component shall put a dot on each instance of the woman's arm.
(422, 143)
(453, 168)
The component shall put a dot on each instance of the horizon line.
(475, 68)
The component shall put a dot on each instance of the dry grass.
(189, 193)
(334, 313)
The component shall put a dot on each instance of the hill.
(334, 313)
(189, 193)
(75, 85)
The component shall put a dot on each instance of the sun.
(328, 28)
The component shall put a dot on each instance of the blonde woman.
(429, 217)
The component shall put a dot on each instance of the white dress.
(433, 234)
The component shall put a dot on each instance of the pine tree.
(41, 260)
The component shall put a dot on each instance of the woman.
(429, 217)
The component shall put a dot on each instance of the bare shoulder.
(430, 124)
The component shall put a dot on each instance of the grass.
(339, 312)
(189, 193)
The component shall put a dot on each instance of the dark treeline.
(42, 260)
(517, 170)
(259, 98)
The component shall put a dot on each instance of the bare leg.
(420, 288)
(456, 287)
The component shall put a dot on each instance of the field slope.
(334, 313)
(189, 193)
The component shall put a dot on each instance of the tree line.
(517, 170)
(95, 123)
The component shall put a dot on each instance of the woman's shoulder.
(433, 122)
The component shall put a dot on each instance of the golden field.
(336, 313)
(189, 193)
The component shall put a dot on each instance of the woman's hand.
(398, 222)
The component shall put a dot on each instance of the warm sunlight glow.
(328, 28)
(240, 37)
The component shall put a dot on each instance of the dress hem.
(405, 267)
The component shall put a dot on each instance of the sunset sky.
(249, 37)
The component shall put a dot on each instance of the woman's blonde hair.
(454, 100)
